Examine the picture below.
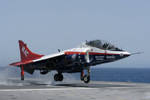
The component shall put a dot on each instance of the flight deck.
(76, 90)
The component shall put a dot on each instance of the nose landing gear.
(86, 78)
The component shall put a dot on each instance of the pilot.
(105, 45)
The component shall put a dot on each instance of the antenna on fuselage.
(58, 50)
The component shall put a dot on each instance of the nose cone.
(125, 54)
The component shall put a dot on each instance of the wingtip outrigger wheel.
(22, 73)
(22, 77)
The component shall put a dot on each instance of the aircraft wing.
(38, 60)
(49, 56)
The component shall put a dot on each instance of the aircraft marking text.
(26, 53)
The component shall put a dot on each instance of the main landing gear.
(58, 77)
(86, 78)
(22, 73)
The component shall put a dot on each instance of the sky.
(48, 25)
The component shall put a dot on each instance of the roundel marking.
(73, 56)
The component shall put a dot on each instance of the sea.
(136, 75)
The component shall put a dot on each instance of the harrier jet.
(76, 60)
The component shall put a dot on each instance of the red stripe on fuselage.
(71, 53)
(91, 53)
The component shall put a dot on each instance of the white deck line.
(51, 89)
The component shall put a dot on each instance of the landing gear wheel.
(86, 79)
(58, 77)
(22, 77)
(61, 77)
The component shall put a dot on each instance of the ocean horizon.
(136, 75)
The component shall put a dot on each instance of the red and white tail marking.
(26, 54)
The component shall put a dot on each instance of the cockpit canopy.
(103, 45)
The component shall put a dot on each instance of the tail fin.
(26, 54)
